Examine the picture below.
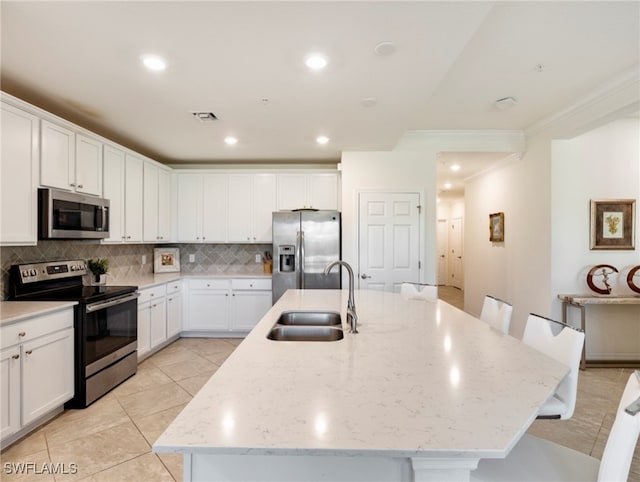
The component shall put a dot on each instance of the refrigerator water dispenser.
(287, 256)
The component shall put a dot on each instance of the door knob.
(364, 276)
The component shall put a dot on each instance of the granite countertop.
(421, 378)
(12, 311)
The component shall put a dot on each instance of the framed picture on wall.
(166, 260)
(613, 223)
(496, 227)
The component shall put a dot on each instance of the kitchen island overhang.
(423, 388)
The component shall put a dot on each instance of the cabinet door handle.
(15, 357)
(22, 333)
(29, 352)
(72, 184)
(80, 186)
(128, 237)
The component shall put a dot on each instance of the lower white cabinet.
(36, 368)
(174, 308)
(159, 316)
(250, 300)
(226, 305)
(207, 305)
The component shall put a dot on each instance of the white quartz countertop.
(154, 279)
(421, 378)
(12, 311)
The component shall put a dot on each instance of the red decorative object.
(632, 273)
(605, 278)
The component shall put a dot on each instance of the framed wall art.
(166, 260)
(613, 223)
(496, 227)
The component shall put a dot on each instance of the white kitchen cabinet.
(318, 190)
(37, 367)
(152, 319)
(158, 331)
(207, 305)
(113, 189)
(250, 300)
(69, 161)
(57, 156)
(157, 201)
(88, 175)
(252, 200)
(226, 305)
(9, 391)
(133, 196)
(174, 308)
(202, 208)
(18, 177)
(47, 374)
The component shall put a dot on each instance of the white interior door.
(457, 265)
(389, 240)
(443, 248)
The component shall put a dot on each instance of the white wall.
(516, 270)
(400, 171)
(601, 164)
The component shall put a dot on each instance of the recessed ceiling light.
(384, 48)
(316, 61)
(455, 167)
(369, 102)
(322, 140)
(447, 185)
(154, 62)
(230, 140)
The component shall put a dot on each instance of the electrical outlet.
(192, 258)
(144, 259)
(258, 258)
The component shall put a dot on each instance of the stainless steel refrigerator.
(304, 242)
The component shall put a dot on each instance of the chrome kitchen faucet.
(352, 318)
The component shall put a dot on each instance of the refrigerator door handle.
(302, 286)
(297, 262)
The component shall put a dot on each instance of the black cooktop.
(59, 281)
(81, 294)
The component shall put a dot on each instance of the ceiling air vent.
(205, 116)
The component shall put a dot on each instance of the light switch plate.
(192, 258)
(258, 258)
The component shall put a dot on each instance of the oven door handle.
(101, 305)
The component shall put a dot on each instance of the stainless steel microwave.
(69, 215)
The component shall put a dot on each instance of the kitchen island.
(422, 392)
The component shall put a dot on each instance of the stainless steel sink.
(310, 318)
(305, 333)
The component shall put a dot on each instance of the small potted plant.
(98, 268)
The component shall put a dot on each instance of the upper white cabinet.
(252, 199)
(133, 196)
(113, 188)
(18, 177)
(88, 177)
(57, 157)
(307, 190)
(157, 202)
(202, 208)
(70, 161)
(123, 187)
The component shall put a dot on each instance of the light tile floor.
(111, 440)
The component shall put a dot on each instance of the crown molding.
(618, 97)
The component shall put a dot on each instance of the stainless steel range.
(105, 323)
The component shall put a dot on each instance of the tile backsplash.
(126, 259)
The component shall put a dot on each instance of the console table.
(579, 301)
